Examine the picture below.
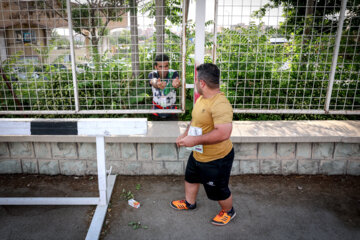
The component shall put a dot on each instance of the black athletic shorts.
(213, 175)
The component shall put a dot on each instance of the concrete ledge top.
(243, 132)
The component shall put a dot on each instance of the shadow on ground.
(268, 207)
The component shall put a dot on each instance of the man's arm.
(221, 132)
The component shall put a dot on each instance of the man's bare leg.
(191, 191)
(226, 204)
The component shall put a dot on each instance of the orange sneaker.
(182, 205)
(223, 217)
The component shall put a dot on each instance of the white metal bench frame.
(86, 127)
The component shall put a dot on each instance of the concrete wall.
(158, 155)
(166, 158)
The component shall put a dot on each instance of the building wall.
(24, 15)
(3, 54)
(28, 49)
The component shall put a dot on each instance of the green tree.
(162, 11)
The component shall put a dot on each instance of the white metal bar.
(199, 38)
(125, 111)
(49, 201)
(183, 57)
(110, 185)
(216, 3)
(107, 127)
(335, 54)
(14, 127)
(100, 152)
(34, 112)
(298, 111)
(137, 111)
(72, 51)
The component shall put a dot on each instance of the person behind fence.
(164, 82)
(208, 136)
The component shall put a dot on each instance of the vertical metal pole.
(215, 30)
(72, 52)
(335, 55)
(183, 57)
(100, 152)
(199, 39)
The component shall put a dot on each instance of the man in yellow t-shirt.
(208, 134)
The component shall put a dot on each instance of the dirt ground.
(268, 207)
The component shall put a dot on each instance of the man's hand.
(179, 138)
(182, 135)
(160, 84)
(176, 82)
(188, 141)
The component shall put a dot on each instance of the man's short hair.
(209, 73)
(161, 58)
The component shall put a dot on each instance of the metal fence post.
(72, 52)
(335, 55)
(199, 39)
(183, 56)
(215, 30)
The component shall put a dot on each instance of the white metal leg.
(100, 151)
(100, 213)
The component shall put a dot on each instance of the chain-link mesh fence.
(285, 56)
(95, 60)
(278, 56)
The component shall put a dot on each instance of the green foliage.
(250, 66)
(126, 195)
(137, 225)
(254, 76)
(295, 12)
(173, 10)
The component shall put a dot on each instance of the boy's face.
(162, 68)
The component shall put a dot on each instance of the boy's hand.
(176, 82)
(160, 84)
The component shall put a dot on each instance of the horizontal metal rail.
(50, 201)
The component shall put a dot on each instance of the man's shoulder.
(221, 98)
(221, 101)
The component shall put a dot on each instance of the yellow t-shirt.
(206, 113)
